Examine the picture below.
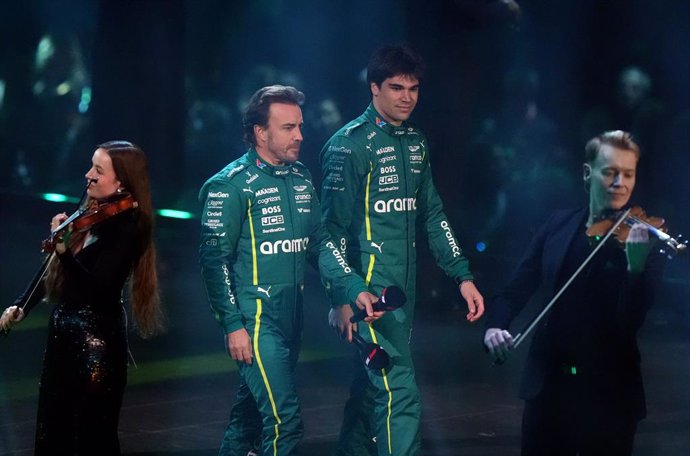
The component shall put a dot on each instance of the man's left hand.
(637, 247)
(475, 301)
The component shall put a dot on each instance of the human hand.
(474, 299)
(239, 345)
(339, 319)
(366, 300)
(499, 342)
(637, 248)
(10, 317)
(55, 222)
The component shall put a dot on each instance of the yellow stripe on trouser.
(370, 272)
(257, 353)
(257, 318)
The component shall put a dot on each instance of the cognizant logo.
(396, 205)
(451, 239)
(284, 246)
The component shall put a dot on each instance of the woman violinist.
(85, 362)
(582, 383)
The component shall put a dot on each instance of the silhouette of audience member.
(527, 168)
(321, 120)
(209, 141)
(58, 115)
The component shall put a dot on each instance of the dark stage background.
(508, 102)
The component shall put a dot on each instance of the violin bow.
(521, 335)
(25, 301)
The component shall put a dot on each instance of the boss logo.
(270, 210)
(387, 169)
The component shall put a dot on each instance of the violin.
(84, 219)
(636, 215)
(615, 225)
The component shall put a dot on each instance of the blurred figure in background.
(527, 167)
(57, 127)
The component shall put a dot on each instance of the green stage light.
(172, 213)
(59, 198)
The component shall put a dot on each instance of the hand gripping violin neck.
(85, 218)
(636, 215)
(614, 225)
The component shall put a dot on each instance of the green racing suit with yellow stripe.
(260, 225)
(377, 188)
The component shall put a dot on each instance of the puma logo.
(264, 290)
(377, 246)
(248, 190)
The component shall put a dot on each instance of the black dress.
(85, 362)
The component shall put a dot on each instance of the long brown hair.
(130, 166)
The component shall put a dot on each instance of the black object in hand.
(391, 298)
(373, 355)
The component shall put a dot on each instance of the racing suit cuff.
(232, 324)
(352, 293)
(464, 278)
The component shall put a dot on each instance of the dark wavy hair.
(260, 103)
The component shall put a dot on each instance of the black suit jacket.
(597, 321)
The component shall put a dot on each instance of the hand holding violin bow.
(631, 229)
(10, 317)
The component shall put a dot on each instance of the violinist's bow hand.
(498, 342)
(10, 317)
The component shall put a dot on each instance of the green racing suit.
(377, 187)
(260, 224)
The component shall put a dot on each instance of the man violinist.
(582, 384)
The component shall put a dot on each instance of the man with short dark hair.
(376, 187)
(582, 383)
(260, 224)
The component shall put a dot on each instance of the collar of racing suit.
(377, 119)
(278, 171)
